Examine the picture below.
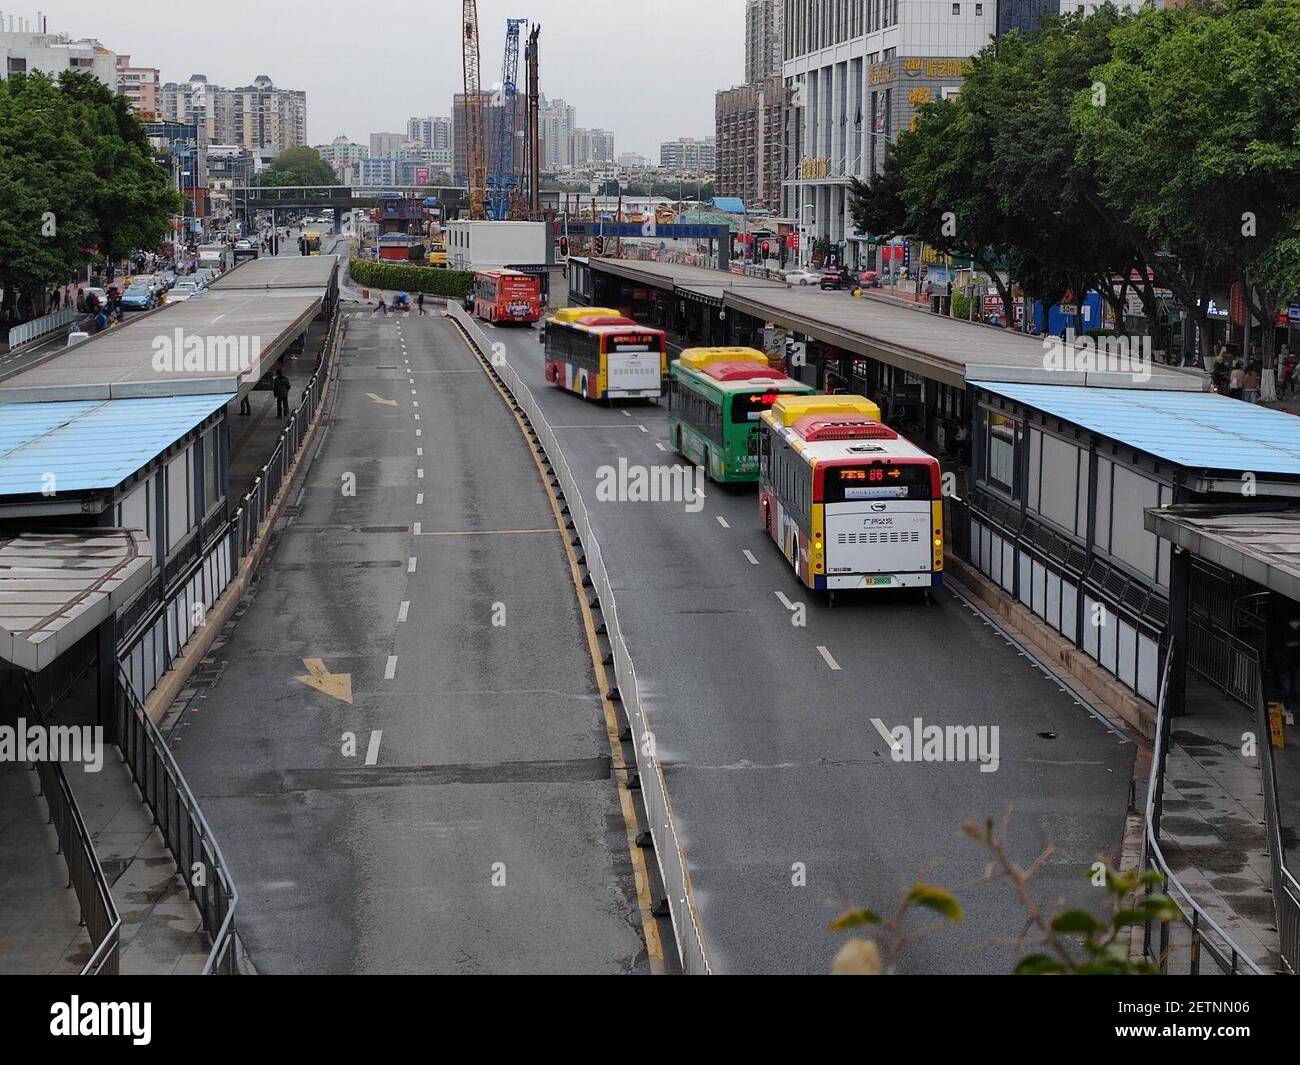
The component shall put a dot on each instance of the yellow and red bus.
(600, 354)
(850, 503)
(502, 296)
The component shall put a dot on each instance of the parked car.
(802, 277)
(243, 245)
(870, 279)
(100, 295)
(139, 296)
(203, 277)
(185, 289)
(836, 280)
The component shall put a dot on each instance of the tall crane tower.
(503, 178)
(475, 147)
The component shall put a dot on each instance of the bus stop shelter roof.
(1196, 430)
(1260, 543)
(282, 271)
(91, 444)
(56, 587)
(120, 362)
(911, 338)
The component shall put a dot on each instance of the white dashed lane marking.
(828, 657)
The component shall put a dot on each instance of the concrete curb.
(172, 682)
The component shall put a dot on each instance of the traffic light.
(766, 249)
(600, 246)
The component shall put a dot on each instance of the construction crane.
(503, 178)
(475, 147)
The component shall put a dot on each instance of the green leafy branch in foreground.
(1071, 942)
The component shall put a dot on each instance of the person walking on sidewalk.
(280, 388)
(419, 305)
(383, 307)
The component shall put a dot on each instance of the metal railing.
(1229, 663)
(1286, 891)
(662, 824)
(39, 327)
(184, 829)
(257, 501)
(86, 877)
(1195, 935)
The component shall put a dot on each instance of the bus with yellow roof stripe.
(715, 399)
(849, 502)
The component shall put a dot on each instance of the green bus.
(716, 397)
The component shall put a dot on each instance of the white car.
(802, 277)
(184, 290)
(243, 245)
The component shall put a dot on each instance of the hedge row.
(399, 277)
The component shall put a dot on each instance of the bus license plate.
(875, 582)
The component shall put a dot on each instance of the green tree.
(45, 185)
(1195, 146)
(298, 166)
(132, 199)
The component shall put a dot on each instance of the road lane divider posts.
(664, 838)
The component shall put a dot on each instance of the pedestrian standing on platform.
(383, 307)
(280, 388)
(419, 305)
(1236, 380)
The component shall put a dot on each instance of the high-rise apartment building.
(749, 123)
(255, 116)
(590, 146)
(556, 122)
(429, 132)
(686, 155)
(763, 26)
(141, 86)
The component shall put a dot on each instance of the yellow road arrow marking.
(380, 399)
(335, 685)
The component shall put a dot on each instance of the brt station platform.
(912, 363)
(123, 461)
(1065, 515)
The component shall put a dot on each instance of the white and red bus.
(599, 354)
(850, 503)
(502, 296)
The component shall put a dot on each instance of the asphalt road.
(476, 827)
(788, 800)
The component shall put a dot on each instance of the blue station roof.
(1197, 430)
(730, 204)
(91, 445)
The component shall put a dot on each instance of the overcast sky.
(647, 69)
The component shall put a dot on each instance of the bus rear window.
(749, 406)
(878, 481)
